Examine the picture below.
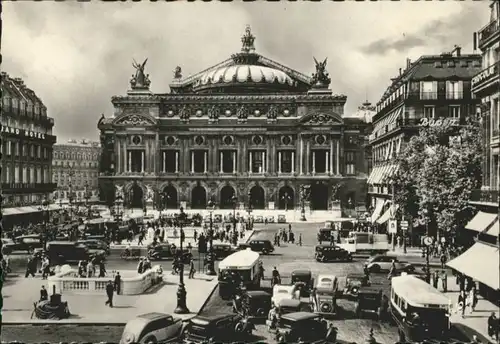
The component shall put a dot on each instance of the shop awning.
(11, 211)
(377, 178)
(479, 262)
(54, 207)
(377, 210)
(389, 213)
(494, 229)
(481, 221)
(372, 175)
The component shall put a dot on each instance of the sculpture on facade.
(150, 194)
(321, 79)
(272, 114)
(184, 114)
(213, 114)
(242, 114)
(140, 80)
(118, 191)
(178, 72)
(247, 41)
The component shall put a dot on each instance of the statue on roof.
(247, 41)
(321, 79)
(140, 80)
(178, 73)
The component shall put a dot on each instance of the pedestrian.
(45, 268)
(461, 303)
(435, 279)
(109, 292)
(90, 269)
(443, 259)
(29, 267)
(102, 269)
(44, 296)
(289, 227)
(195, 235)
(191, 269)
(140, 266)
(444, 280)
(493, 326)
(473, 299)
(300, 239)
(118, 282)
(141, 237)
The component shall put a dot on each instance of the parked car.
(7, 245)
(328, 253)
(60, 252)
(308, 327)
(216, 327)
(286, 306)
(353, 283)
(259, 219)
(281, 292)
(325, 295)
(255, 304)
(221, 251)
(371, 300)
(304, 281)
(281, 218)
(95, 246)
(383, 263)
(325, 234)
(26, 243)
(261, 246)
(270, 219)
(152, 328)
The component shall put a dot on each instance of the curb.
(60, 323)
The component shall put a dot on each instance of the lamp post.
(286, 197)
(249, 211)
(302, 203)
(428, 241)
(86, 196)
(210, 256)
(234, 200)
(44, 208)
(181, 291)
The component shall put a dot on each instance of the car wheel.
(31, 250)
(150, 340)
(375, 268)
(265, 252)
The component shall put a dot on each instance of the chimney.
(457, 50)
(400, 71)
(408, 63)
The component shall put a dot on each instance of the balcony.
(486, 78)
(488, 32)
(485, 196)
(28, 187)
(418, 95)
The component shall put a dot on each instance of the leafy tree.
(438, 169)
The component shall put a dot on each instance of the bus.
(241, 267)
(420, 310)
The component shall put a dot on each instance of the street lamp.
(86, 195)
(234, 200)
(44, 208)
(211, 256)
(249, 210)
(428, 241)
(302, 203)
(181, 291)
(286, 197)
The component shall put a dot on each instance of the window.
(7, 174)
(428, 90)
(256, 161)
(25, 175)
(16, 174)
(454, 111)
(9, 148)
(429, 111)
(350, 169)
(16, 146)
(454, 90)
(350, 158)
(495, 117)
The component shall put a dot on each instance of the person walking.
(44, 296)
(461, 303)
(140, 266)
(109, 292)
(30, 270)
(191, 269)
(102, 269)
(118, 282)
(300, 239)
(141, 238)
(493, 326)
(473, 299)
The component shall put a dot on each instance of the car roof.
(355, 275)
(301, 272)
(372, 289)
(66, 242)
(296, 316)
(289, 303)
(153, 316)
(212, 316)
(258, 293)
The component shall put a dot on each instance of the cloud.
(76, 56)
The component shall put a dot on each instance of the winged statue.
(140, 79)
(321, 77)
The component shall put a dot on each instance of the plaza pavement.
(20, 293)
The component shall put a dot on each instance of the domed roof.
(245, 73)
(365, 112)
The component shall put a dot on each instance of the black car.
(216, 327)
(26, 243)
(353, 283)
(221, 251)
(304, 326)
(61, 252)
(168, 251)
(371, 300)
(254, 304)
(304, 280)
(95, 246)
(328, 253)
(261, 246)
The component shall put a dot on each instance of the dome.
(244, 74)
(365, 112)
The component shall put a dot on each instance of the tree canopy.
(438, 170)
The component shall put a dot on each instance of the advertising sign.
(393, 226)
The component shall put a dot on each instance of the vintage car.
(270, 219)
(95, 245)
(380, 263)
(281, 292)
(168, 251)
(261, 246)
(281, 218)
(221, 251)
(26, 243)
(217, 327)
(303, 281)
(152, 328)
(371, 300)
(254, 304)
(286, 306)
(328, 253)
(324, 296)
(353, 283)
(258, 219)
(325, 234)
(300, 327)
(217, 218)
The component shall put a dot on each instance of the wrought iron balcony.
(488, 31)
(487, 196)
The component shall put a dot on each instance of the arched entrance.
(286, 198)
(226, 197)
(198, 197)
(169, 195)
(319, 196)
(257, 197)
(136, 196)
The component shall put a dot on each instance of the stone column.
(156, 151)
(308, 155)
(146, 154)
(205, 161)
(234, 161)
(220, 162)
(301, 155)
(129, 166)
(142, 161)
(331, 156)
(164, 164)
(185, 162)
(293, 162)
(314, 162)
(279, 163)
(118, 154)
(215, 155)
(192, 161)
(250, 162)
(327, 163)
(176, 161)
(263, 159)
(338, 157)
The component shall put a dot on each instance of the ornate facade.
(75, 171)
(245, 130)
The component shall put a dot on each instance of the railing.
(489, 196)
(67, 281)
(423, 95)
(489, 30)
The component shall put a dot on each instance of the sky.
(76, 56)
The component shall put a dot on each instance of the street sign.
(393, 227)
(404, 224)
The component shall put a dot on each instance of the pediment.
(135, 120)
(322, 118)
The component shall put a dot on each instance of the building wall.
(27, 145)
(76, 168)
